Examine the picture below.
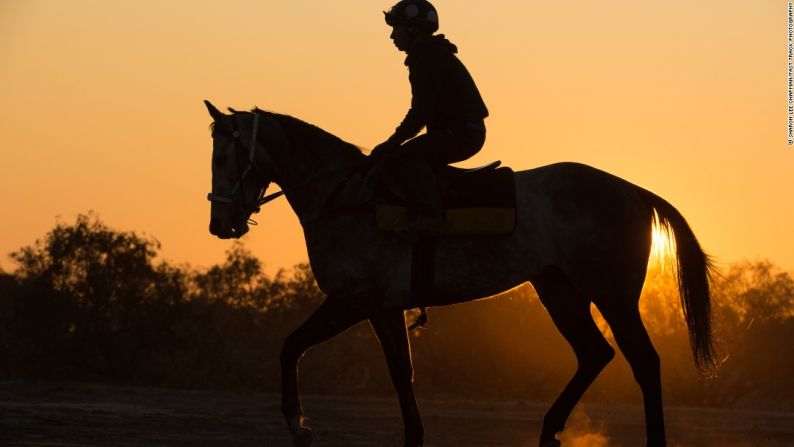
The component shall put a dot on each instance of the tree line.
(90, 303)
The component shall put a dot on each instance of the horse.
(582, 236)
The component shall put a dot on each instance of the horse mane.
(309, 136)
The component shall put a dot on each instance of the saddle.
(477, 201)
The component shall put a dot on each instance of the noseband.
(237, 196)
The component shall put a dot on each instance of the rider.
(445, 100)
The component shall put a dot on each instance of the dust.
(580, 431)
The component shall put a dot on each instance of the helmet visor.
(392, 18)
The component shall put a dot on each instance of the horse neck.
(311, 164)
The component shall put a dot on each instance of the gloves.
(388, 148)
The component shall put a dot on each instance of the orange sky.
(101, 105)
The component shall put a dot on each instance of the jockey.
(445, 100)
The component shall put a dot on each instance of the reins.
(262, 199)
(351, 167)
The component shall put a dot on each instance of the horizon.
(661, 260)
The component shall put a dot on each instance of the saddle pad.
(477, 203)
(491, 188)
(459, 221)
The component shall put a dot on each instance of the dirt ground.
(69, 414)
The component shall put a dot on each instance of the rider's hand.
(386, 149)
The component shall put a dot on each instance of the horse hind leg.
(570, 311)
(632, 339)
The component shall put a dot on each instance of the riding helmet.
(413, 12)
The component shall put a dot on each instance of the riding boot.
(421, 186)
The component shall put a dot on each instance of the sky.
(102, 106)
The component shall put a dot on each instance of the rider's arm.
(426, 78)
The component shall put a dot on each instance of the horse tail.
(693, 270)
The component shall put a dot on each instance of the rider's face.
(402, 37)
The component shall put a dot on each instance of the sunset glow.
(149, 294)
(102, 106)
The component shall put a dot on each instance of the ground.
(71, 415)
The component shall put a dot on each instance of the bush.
(91, 303)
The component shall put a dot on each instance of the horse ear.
(214, 112)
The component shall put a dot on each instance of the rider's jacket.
(444, 95)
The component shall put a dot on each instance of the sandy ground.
(58, 414)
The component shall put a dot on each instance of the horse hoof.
(302, 437)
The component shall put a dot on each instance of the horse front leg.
(389, 326)
(331, 318)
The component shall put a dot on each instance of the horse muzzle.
(228, 231)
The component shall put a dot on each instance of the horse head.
(242, 167)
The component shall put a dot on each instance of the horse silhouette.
(582, 236)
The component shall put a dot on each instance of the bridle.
(237, 195)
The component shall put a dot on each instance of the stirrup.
(420, 321)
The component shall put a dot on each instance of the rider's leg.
(418, 180)
(452, 146)
(415, 170)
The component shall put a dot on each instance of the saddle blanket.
(476, 203)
